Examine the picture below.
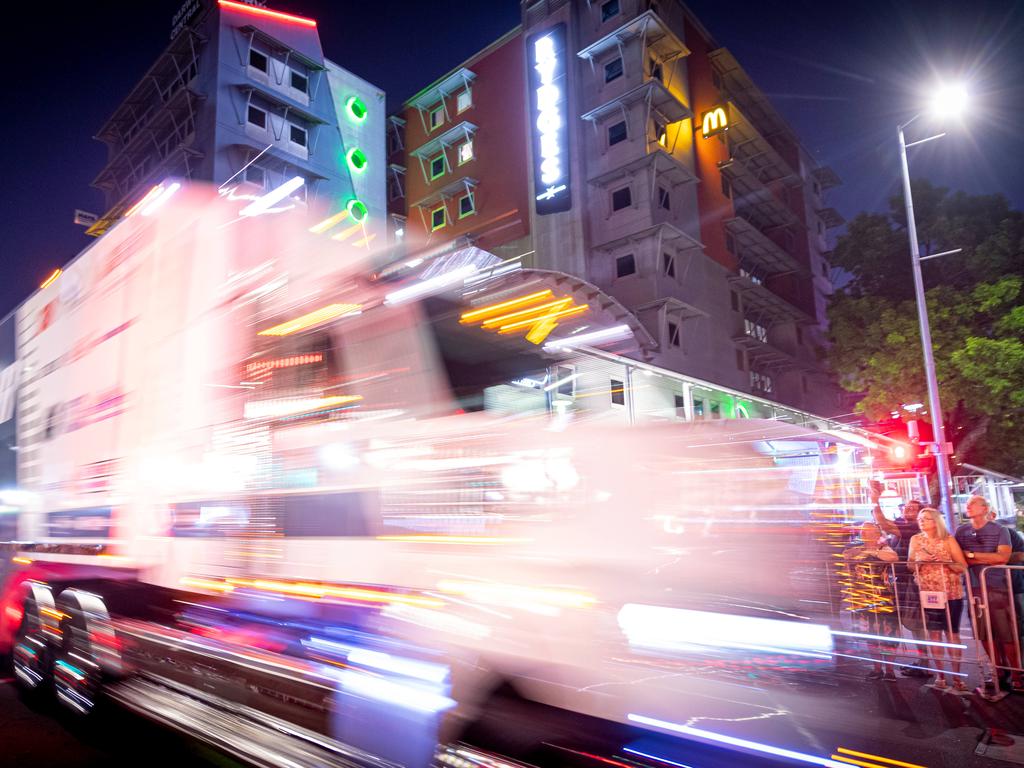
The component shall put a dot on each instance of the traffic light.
(900, 453)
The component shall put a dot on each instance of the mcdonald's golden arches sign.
(715, 120)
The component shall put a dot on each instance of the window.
(698, 408)
(613, 70)
(741, 359)
(655, 69)
(726, 187)
(660, 132)
(437, 116)
(394, 141)
(609, 9)
(395, 190)
(751, 276)
(258, 60)
(821, 228)
(755, 330)
(618, 392)
(300, 82)
(617, 133)
(673, 333)
(621, 198)
(257, 117)
(735, 299)
(438, 218)
(565, 377)
(254, 174)
(664, 199)
(668, 264)
(437, 165)
(817, 189)
(761, 382)
(297, 135)
(467, 206)
(716, 411)
(680, 403)
(625, 265)
(464, 100)
(465, 151)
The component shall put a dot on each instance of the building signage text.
(715, 120)
(549, 120)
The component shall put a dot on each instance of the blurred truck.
(252, 508)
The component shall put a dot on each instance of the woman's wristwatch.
(970, 555)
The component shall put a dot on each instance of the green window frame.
(472, 206)
(444, 166)
(434, 225)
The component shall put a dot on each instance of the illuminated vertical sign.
(549, 119)
(714, 121)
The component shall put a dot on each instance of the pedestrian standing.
(870, 596)
(939, 565)
(903, 528)
(985, 543)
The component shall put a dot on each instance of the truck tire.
(87, 652)
(31, 655)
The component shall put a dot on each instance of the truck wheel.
(37, 631)
(80, 661)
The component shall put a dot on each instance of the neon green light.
(357, 111)
(741, 411)
(356, 159)
(357, 209)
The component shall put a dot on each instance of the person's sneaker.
(914, 672)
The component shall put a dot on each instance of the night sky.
(843, 74)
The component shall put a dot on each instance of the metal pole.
(938, 429)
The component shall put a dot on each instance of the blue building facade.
(244, 97)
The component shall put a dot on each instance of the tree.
(975, 305)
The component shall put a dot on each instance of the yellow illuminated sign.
(715, 120)
(538, 314)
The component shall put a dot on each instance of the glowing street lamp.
(948, 101)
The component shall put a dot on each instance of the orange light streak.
(540, 309)
(485, 312)
(53, 276)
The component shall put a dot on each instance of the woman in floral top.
(943, 574)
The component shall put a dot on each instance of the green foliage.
(975, 307)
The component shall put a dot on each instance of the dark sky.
(843, 73)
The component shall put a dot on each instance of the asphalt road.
(40, 736)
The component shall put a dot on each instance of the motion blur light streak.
(422, 670)
(433, 538)
(263, 409)
(492, 309)
(264, 203)
(329, 222)
(406, 696)
(146, 198)
(308, 320)
(884, 639)
(889, 760)
(160, 200)
(53, 276)
(21, 560)
(661, 628)
(721, 738)
(898, 664)
(655, 757)
(532, 599)
(614, 333)
(429, 286)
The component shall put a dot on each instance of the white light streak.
(274, 196)
(428, 287)
(160, 199)
(604, 335)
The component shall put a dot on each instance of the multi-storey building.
(243, 96)
(618, 143)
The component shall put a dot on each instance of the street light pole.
(939, 436)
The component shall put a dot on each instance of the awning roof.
(756, 247)
(760, 299)
(272, 41)
(741, 89)
(660, 98)
(663, 163)
(754, 151)
(459, 132)
(432, 94)
(826, 177)
(830, 217)
(659, 37)
(754, 201)
(667, 232)
(447, 192)
(281, 101)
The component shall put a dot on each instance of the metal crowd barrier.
(892, 591)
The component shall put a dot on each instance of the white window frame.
(459, 106)
(462, 146)
(438, 110)
(266, 117)
(305, 135)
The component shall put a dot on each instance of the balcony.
(737, 85)
(758, 252)
(659, 100)
(754, 201)
(661, 162)
(764, 306)
(830, 217)
(826, 177)
(653, 32)
(748, 146)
